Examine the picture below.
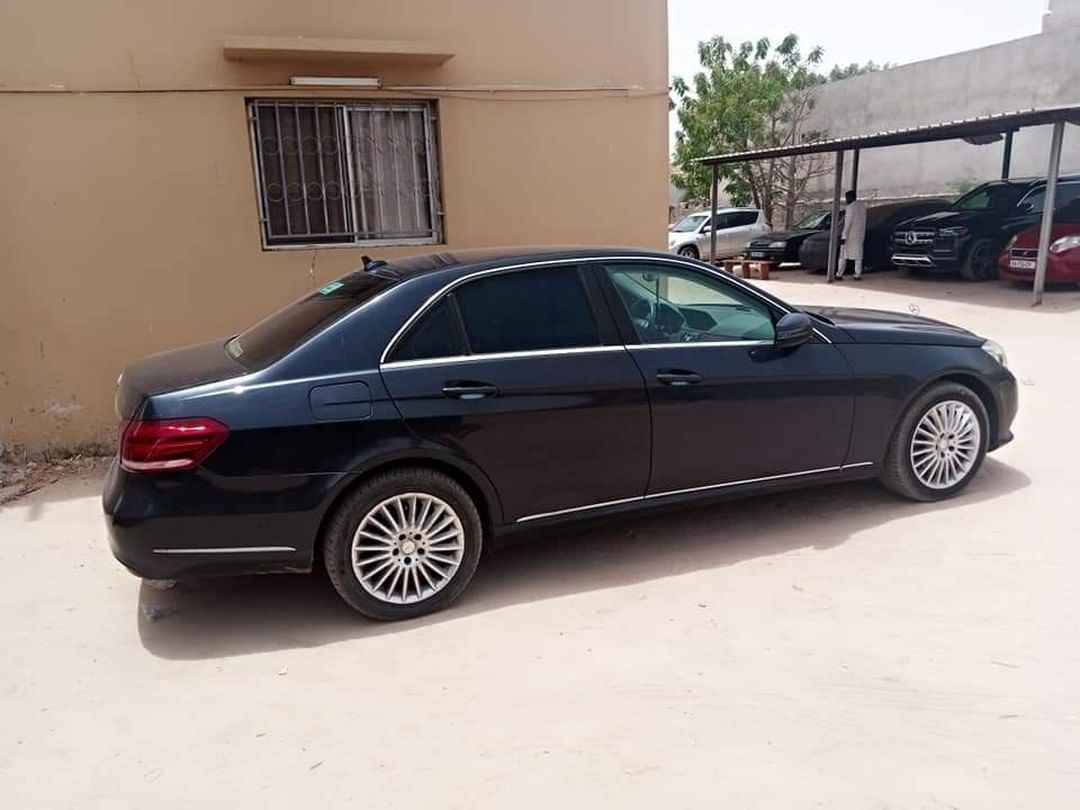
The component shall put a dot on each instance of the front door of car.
(522, 373)
(705, 238)
(728, 407)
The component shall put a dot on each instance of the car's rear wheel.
(406, 543)
(981, 261)
(689, 251)
(939, 444)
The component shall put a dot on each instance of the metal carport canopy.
(986, 125)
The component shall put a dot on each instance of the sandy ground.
(832, 648)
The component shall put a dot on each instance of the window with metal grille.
(345, 172)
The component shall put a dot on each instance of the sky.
(850, 31)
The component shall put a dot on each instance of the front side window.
(345, 172)
(527, 310)
(993, 196)
(670, 305)
(1036, 200)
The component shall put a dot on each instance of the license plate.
(756, 254)
(1021, 264)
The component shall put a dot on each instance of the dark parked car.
(404, 417)
(877, 248)
(783, 246)
(970, 235)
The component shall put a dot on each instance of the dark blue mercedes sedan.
(402, 418)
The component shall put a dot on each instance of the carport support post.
(834, 230)
(855, 171)
(1006, 158)
(1048, 209)
(712, 215)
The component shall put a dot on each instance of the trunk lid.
(172, 370)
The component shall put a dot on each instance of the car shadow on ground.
(1059, 298)
(237, 616)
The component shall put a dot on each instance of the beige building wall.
(128, 216)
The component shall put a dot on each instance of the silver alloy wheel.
(945, 445)
(407, 548)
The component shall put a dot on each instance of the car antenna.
(372, 264)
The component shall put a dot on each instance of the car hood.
(782, 236)
(950, 219)
(878, 326)
(1029, 238)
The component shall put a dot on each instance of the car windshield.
(272, 337)
(993, 197)
(690, 223)
(812, 221)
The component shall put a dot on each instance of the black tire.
(689, 252)
(899, 473)
(337, 540)
(980, 264)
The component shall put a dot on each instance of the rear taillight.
(169, 444)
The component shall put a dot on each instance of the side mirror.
(794, 329)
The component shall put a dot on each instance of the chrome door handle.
(461, 389)
(671, 376)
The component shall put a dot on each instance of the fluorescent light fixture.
(335, 81)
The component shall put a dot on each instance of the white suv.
(735, 227)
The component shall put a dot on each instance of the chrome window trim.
(570, 260)
(476, 358)
(224, 550)
(669, 493)
(715, 344)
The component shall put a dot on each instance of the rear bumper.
(191, 525)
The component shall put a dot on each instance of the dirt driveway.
(832, 648)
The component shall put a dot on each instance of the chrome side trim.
(225, 550)
(746, 481)
(570, 260)
(604, 504)
(476, 358)
(573, 509)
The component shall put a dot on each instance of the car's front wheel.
(980, 263)
(405, 543)
(939, 444)
(689, 251)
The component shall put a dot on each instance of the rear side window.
(436, 334)
(743, 218)
(273, 337)
(528, 310)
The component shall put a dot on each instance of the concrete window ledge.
(319, 49)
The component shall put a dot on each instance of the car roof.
(1026, 181)
(485, 258)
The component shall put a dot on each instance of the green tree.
(854, 69)
(753, 96)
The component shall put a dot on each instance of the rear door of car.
(522, 372)
(742, 227)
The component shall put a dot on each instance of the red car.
(1017, 261)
